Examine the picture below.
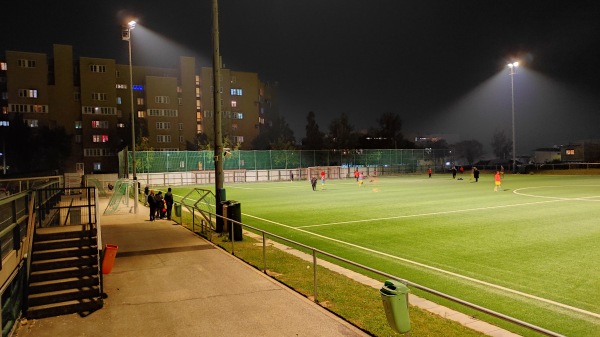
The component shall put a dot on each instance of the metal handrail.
(381, 273)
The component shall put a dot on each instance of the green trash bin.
(394, 295)
(177, 209)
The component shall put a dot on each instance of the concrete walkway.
(167, 281)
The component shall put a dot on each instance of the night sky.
(440, 65)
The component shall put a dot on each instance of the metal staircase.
(64, 267)
(64, 276)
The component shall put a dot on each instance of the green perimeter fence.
(402, 160)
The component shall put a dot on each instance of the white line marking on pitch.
(492, 285)
(429, 214)
(591, 198)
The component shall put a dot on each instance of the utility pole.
(218, 155)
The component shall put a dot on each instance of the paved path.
(166, 281)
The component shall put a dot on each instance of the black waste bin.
(232, 210)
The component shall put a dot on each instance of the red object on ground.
(110, 253)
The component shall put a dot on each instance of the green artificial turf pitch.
(530, 250)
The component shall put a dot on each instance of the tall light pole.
(4, 124)
(218, 153)
(512, 68)
(127, 37)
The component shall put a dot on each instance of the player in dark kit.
(313, 182)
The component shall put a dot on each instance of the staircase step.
(63, 284)
(61, 244)
(88, 261)
(35, 300)
(57, 274)
(82, 307)
(65, 234)
(63, 253)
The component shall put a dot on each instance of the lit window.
(570, 152)
(26, 63)
(3, 66)
(97, 68)
(234, 104)
(138, 87)
(100, 124)
(236, 92)
(99, 138)
(32, 123)
(78, 124)
(141, 114)
(140, 101)
(119, 100)
(161, 99)
(28, 93)
(99, 96)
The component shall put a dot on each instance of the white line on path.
(439, 269)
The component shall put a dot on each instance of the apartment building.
(92, 99)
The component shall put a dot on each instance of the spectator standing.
(169, 202)
(152, 204)
(146, 193)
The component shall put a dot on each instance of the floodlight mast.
(218, 153)
(127, 37)
(512, 67)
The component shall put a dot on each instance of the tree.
(469, 149)
(341, 134)
(314, 137)
(277, 136)
(501, 145)
(54, 148)
(36, 149)
(390, 126)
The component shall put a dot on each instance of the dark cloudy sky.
(440, 65)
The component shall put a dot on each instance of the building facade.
(92, 99)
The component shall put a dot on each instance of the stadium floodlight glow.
(126, 35)
(512, 71)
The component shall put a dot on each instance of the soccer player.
(361, 179)
(497, 181)
(313, 182)
(429, 171)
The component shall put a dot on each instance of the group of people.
(160, 206)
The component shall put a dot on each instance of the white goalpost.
(331, 172)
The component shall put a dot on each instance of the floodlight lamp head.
(131, 24)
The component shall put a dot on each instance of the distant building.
(583, 152)
(91, 99)
(450, 138)
(547, 155)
